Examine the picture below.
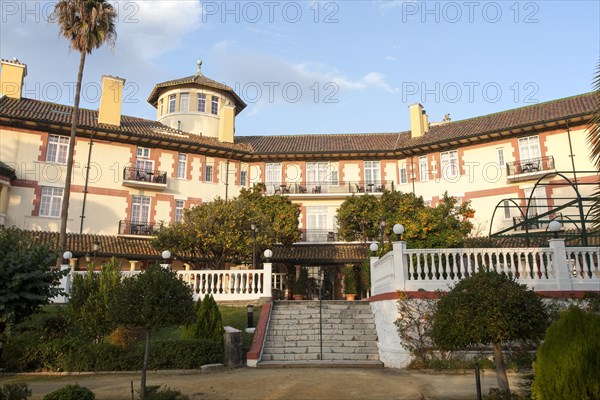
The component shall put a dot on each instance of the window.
(57, 149)
(318, 173)
(172, 100)
(273, 177)
(371, 172)
(403, 174)
(51, 201)
(316, 224)
(143, 152)
(214, 107)
(184, 102)
(529, 147)
(500, 153)
(423, 172)
(201, 102)
(208, 173)
(506, 206)
(181, 165)
(539, 202)
(161, 106)
(179, 210)
(243, 178)
(450, 164)
(140, 209)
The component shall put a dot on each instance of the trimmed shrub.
(15, 391)
(568, 360)
(156, 393)
(71, 392)
(208, 323)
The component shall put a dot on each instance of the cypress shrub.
(208, 323)
(568, 360)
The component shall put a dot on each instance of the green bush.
(156, 393)
(568, 360)
(15, 391)
(208, 323)
(71, 392)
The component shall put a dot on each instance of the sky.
(324, 67)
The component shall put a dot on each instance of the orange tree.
(219, 231)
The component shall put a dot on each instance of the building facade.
(131, 174)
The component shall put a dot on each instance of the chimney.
(11, 78)
(111, 100)
(419, 121)
(227, 123)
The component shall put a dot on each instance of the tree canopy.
(488, 308)
(446, 225)
(219, 231)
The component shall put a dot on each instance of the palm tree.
(594, 141)
(87, 25)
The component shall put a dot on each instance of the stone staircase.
(349, 335)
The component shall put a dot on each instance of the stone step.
(315, 348)
(326, 338)
(321, 364)
(316, 357)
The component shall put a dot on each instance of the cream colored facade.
(135, 185)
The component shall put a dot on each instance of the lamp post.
(398, 231)
(554, 227)
(374, 247)
(166, 255)
(381, 229)
(254, 226)
(67, 255)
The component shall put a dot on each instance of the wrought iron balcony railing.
(138, 228)
(144, 175)
(331, 187)
(532, 165)
(319, 235)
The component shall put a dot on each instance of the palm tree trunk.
(64, 210)
(500, 368)
(145, 366)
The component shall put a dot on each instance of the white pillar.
(400, 271)
(72, 263)
(267, 279)
(562, 272)
(132, 264)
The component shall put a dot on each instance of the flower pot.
(350, 297)
(298, 297)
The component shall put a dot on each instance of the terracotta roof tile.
(315, 254)
(36, 110)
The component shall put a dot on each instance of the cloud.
(391, 58)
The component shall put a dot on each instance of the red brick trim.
(260, 333)
(37, 199)
(44, 137)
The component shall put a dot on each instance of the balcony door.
(320, 176)
(529, 148)
(144, 167)
(316, 224)
(539, 202)
(140, 209)
(372, 175)
(273, 177)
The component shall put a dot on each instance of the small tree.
(208, 323)
(488, 308)
(568, 360)
(26, 280)
(152, 299)
(90, 299)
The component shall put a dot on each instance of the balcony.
(530, 169)
(144, 178)
(319, 235)
(136, 228)
(330, 188)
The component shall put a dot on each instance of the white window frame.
(184, 102)
(539, 203)
(449, 164)
(372, 172)
(208, 172)
(58, 149)
(214, 105)
(172, 103)
(529, 148)
(243, 177)
(181, 165)
(201, 102)
(273, 177)
(507, 210)
(500, 154)
(140, 209)
(423, 169)
(403, 174)
(161, 102)
(178, 214)
(51, 201)
(142, 152)
(316, 224)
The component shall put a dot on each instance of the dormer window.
(184, 102)
(172, 100)
(214, 108)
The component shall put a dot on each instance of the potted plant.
(349, 283)
(300, 284)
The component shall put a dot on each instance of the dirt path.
(271, 384)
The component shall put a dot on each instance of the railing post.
(267, 279)
(400, 273)
(562, 272)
